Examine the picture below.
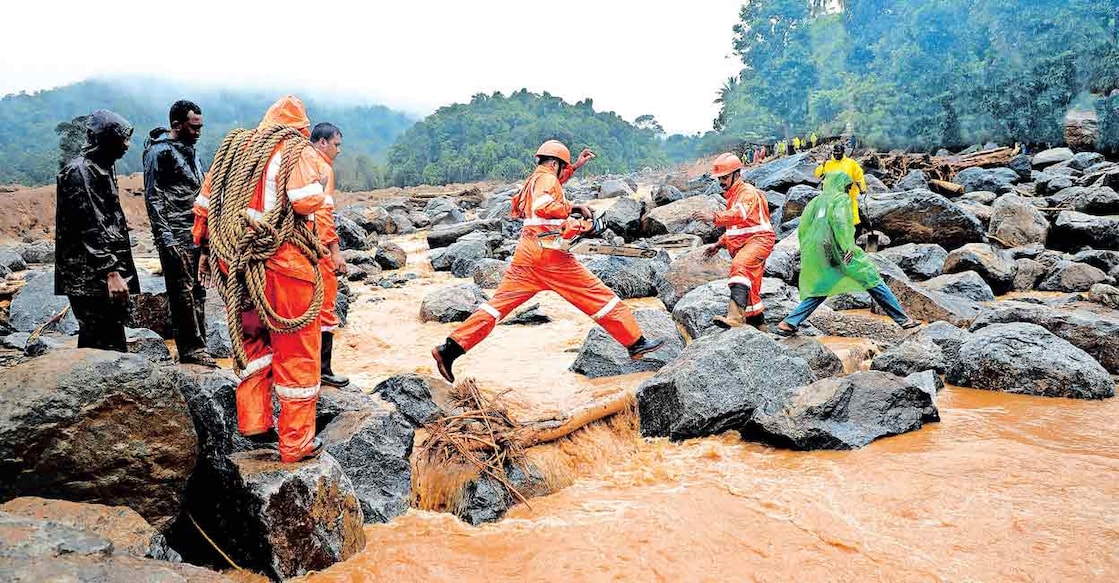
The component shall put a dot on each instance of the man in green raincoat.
(831, 263)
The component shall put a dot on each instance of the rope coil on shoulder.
(244, 244)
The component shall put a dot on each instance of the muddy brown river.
(1004, 488)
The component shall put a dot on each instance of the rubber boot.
(757, 321)
(328, 376)
(733, 319)
(445, 355)
(642, 347)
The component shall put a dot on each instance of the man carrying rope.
(253, 215)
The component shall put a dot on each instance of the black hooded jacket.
(91, 234)
(172, 179)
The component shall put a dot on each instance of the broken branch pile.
(892, 166)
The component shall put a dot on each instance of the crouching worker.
(749, 239)
(542, 205)
(831, 262)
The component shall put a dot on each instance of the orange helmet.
(725, 164)
(555, 149)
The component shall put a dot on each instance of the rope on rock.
(243, 244)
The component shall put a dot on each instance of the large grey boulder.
(965, 283)
(995, 266)
(920, 216)
(918, 261)
(855, 325)
(350, 234)
(488, 273)
(372, 219)
(695, 312)
(374, 446)
(443, 211)
(1051, 156)
(1027, 274)
(717, 384)
(688, 272)
(1068, 276)
(37, 252)
(1104, 295)
(909, 357)
(35, 303)
(420, 399)
(843, 413)
(1028, 359)
(1017, 222)
(784, 173)
(998, 180)
(602, 356)
(946, 337)
(914, 180)
(1093, 200)
(12, 260)
(823, 362)
(666, 194)
(390, 256)
(461, 258)
(613, 189)
(1093, 332)
(1073, 230)
(784, 261)
(797, 198)
(78, 424)
(452, 303)
(148, 344)
(1106, 261)
(931, 305)
(629, 277)
(624, 217)
(444, 235)
(680, 218)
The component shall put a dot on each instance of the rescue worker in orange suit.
(327, 139)
(749, 238)
(288, 363)
(542, 205)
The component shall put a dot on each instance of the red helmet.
(725, 164)
(555, 149)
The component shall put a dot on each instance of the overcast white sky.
(667, 58)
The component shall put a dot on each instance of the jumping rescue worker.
(535, 268)
(749, 239)
(280, 348)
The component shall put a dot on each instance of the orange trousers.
(328, 316)
(748, 268)
(534, 270)
(288, 363)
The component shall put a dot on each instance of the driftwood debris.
(892, 166)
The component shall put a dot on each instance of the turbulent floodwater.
(1005, 487)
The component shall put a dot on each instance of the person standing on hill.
(796, 144)
(536, 268)
(813, 139)
(93, 254)
(327, 139)
(173, 177)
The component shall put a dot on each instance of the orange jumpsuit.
(324, 226)
(534, 269)
(288, 363)
(749, 239)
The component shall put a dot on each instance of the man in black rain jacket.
(93, 255)
(173, 177)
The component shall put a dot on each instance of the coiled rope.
(243, 244)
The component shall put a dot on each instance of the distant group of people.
(758, 153)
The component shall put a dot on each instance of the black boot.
(267, 440)
(445, 355)
(757, 321)
(643, 346)
(328, 376)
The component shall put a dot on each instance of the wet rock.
(993, 265)
(982, 212)
(688, 272)
(452, 303)
(966, 283)
(823, 362)
(1073, 230)
(443, 211)
(461, 258)
(1017, 222)
(997, 180)
(614, 189)
(373, 447)
(1084, 160)
(717, 384)
(624, 217)
(920, 216)
(918, 261)
(419, 220)
(350, 234)
(444, 235)
(217, 327)
(11, 259)
(293, 518)
(22, 537)
(666, 194)
(680, 218)
(602, 356)
(1105, 295)
(391, 256)
(528, 316)
(946, 336)
(984, 197)
(843, 413)
(909, 357)
(629, 277)
(372, 219)
(784, 261)
(927, 381)
(1106, 261)
(856, 301)
(1023, 166)
(35, 303)
(1028, 359)
(930, 305)
(21, 341)
(1068, 276)
(783, 173)
(798, 197)
(1028, 273)
(420, 399)
(37, 252)
(404, 224)
(487, 500)
(147, 344)
(489, 272)
(1093, 200)
(855, 325)
(914, 180)
(58, 412)
(128, 531)
(1051, 156)
(1095, 333)
(117, 567)
(694, 313)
